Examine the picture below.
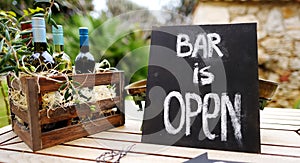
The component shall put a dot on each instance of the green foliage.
(12, 47)
(9, 41)
(125, 47)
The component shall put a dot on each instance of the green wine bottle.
(63, 61)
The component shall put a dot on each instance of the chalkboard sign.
(202, 87)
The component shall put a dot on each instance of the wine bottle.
(62, 59)
(40, 59)
(84, 62)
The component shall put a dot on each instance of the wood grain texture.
(72, 132)
(86, 80)
(80, 110)
(36, 117)
(32, 94)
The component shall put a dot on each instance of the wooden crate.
(35, 117)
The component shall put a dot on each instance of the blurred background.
(120, 31)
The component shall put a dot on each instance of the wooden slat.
(275, 126)
(281, 117)
(283, 138)
(19, 112)
(5, 129)
(92, 153)
(130, 126)
(72, 132)
(117, 136)
(282, 151)
(270, 137)
(86, 80)
(17, 156)
(31, 91)
(280, 111)
(172, 151)
(24, 135)
(81, 110)
(281, 121)
(277, 110)
(7, 137)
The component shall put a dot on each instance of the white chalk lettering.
(206, 43)
(235, 115)
(213, 40)
(209, 77)
(189, 113)
(206, 77)
(211, 99)
(183, 40)
(170, 129)
(206, 115)
(200, 44)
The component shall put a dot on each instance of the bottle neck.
(84, 49)
(39, 35)
(58, 48)
(84, 43)
(40, 46)
(58, 42)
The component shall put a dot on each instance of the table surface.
(280, 141)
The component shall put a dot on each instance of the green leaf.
(67, 95)
(26, 13)
(23, 52)
(38, 9)
(12, 29)
(7, 69)
(76, 84)
(31, 10)
(93, 108)
(62, 87)
(25, 32)
(2, 13)
(52, 22)
(5, 58)
(57, 6)
(38, 15)
(12, 13)
(1, 45)
(7, 36)
(49, 15)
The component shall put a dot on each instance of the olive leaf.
(7, 36)
(57, 6)
(6, 57)
(6, 69)
(1, 44)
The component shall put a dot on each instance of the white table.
(280, 143)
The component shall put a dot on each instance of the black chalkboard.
(202, 87)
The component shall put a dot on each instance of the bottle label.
(39, 34)
(58, 39)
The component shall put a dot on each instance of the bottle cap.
(38, 22)
(38, 29)
(58, 35)
(83, 31)
(58, 30)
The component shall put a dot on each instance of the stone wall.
(278, 25)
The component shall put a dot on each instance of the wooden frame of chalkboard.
(202, 87)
